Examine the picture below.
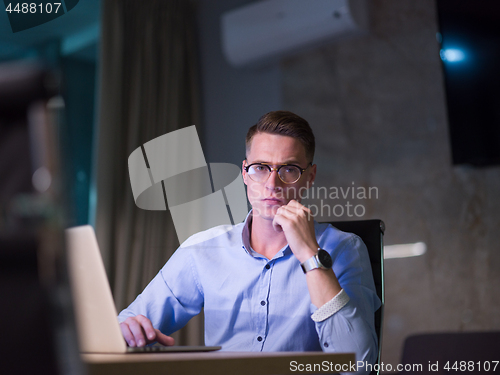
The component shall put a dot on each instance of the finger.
(297, 209)
(127, 334)
(276, 225)
(147, 327)
(283, 218)
(295, 219)
(294, 205)
(164, 339)
(137, 331)
(293, 202)
(289, 213)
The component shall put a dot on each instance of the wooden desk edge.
(212, 363)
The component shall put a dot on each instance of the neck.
(264, 239)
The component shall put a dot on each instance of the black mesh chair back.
(372, 234)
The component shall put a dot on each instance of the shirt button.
(259, 338)
(267, 266)
(263, 303)
(326, 345)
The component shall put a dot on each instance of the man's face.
(266, 197)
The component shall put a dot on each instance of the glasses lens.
(289, 173)
(258, 173)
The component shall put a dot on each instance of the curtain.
(148, 87)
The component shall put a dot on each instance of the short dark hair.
(284, 123)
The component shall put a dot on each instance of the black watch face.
(325, 258)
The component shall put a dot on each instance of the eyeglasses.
(288, 173)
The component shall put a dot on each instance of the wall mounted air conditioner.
(263, 30)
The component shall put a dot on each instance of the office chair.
(372, 234)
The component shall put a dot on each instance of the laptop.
(95, 312)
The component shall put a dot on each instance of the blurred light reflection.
(452, 55)
(404, 250)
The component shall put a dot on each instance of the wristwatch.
(321, 260)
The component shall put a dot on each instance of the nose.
(274, 181)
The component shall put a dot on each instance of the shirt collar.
(245, 240)
(245, 234)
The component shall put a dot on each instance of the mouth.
(273, 201)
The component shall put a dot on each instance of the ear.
(244, 172)
(312, 174)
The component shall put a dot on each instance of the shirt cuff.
(331, 307)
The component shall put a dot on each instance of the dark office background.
(70, 45)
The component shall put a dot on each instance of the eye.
(291, 170)
(259, 168)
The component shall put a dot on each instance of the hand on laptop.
(139, 331)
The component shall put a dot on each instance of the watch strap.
(331, 307)
(312, 263)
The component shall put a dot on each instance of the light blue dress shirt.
(252, 303)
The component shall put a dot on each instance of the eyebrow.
(292, 161)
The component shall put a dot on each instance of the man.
(267, 284)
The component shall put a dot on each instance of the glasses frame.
(271, 169)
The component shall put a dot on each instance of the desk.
(210, 363)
